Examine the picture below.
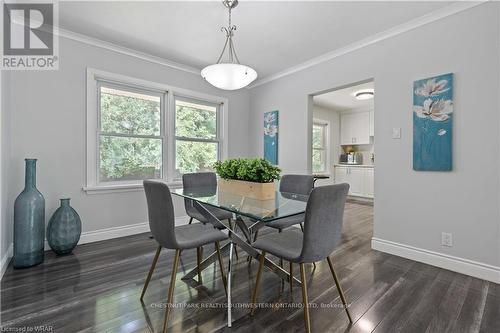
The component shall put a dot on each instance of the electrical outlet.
(446, 239)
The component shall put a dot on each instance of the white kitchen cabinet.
(369, 182)
(355, 128)
(360, 179)
(345, 129)
(372, 123)
(356, 181)
(340, 175)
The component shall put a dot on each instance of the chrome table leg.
(229, 280)
(240, 242)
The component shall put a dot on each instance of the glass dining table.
(250, 216)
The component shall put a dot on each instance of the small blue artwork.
(271, 125)
(432, 123)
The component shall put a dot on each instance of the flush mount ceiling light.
(230, 75)
(364, 94)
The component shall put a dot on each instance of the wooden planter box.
(259, 191)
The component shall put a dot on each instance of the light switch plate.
(396, 133)
(446, 239)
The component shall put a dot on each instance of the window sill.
(120, 188)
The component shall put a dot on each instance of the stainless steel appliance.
(351, 158)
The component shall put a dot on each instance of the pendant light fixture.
(230, 75)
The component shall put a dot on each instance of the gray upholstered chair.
(207, 180)
(322, 233)
(298, 184)
(162, 224)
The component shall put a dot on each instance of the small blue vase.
(29, 221)
(64, 229)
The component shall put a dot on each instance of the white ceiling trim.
(402, 28)
(125, 50)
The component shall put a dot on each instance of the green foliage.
(318, 152)
(123, 158)
(256, 170)
(192, 156)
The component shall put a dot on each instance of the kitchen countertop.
(355, 165)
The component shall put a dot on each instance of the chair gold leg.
(171, 289)
(305, 302)
(198, 262)
(151, 270)
(190, 221)
(257, 282)
(221, 266)
(291, 278)
(339, 288)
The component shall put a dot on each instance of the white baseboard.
(6, 259)
(122, 231)
(116, 232)
(98, 235)
(460, 265)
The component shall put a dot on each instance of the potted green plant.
(249, 177)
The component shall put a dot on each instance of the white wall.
(6, 228)
(48, 123)
(413, 208)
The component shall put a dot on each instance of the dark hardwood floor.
(97, 290)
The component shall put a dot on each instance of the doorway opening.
(342, 138)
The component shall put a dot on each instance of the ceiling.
(270, 36)
(343, 99)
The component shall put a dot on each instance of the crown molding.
(125, 50)
(397, 30)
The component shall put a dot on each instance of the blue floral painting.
(432, 123)
(271, 124)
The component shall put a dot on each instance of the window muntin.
(130, 140)
(197, 139)
(319, 148)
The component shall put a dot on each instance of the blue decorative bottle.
(64, 229)
(29, 221)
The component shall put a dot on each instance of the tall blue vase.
(64, 229)
(29, 221)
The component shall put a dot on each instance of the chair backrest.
(161, 213)
(323, 221)
(300, 184)
(193, 180)
(199, 179)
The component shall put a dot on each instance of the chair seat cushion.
(221, 214)
(194, 235)
(286, 244)
(286, 221)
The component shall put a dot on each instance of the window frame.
(326, 145)
(97, 78)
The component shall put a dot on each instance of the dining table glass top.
(283, 204)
